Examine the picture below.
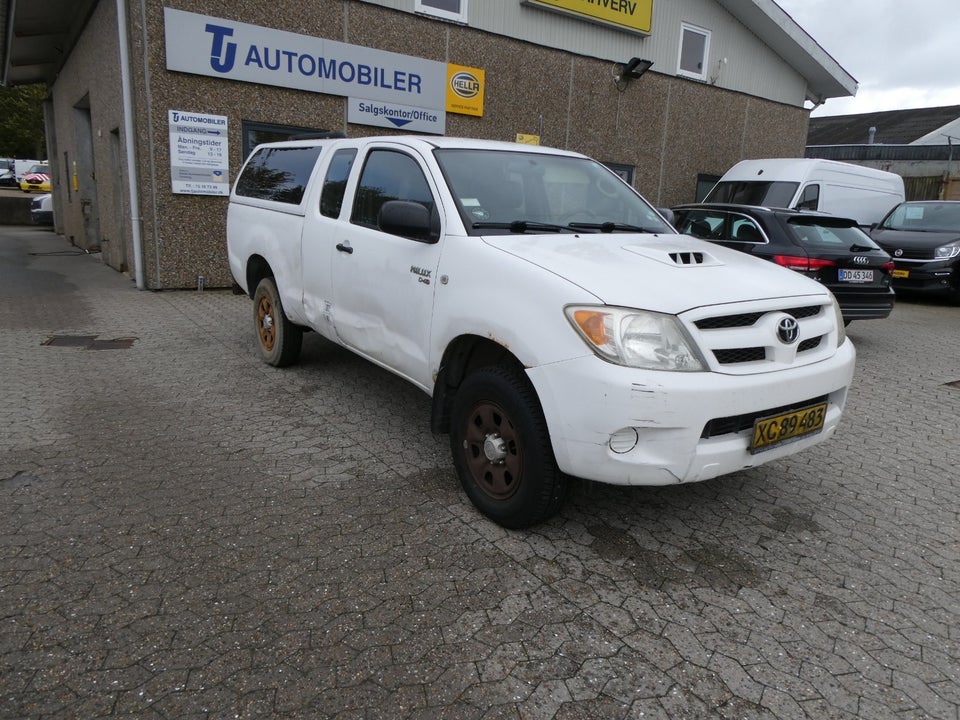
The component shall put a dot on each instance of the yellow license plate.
(769, 432)
(901, 273)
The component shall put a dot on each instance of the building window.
(455, 10)
(624, 171)
(694, 51)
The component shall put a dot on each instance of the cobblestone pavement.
(188, 533)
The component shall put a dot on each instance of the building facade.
(153, 105)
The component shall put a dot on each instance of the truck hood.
(665, 273)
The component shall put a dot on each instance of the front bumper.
(866, 304)
(587, 401)
(934, 276)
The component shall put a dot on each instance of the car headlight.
(636, 338)
(841, 329)
(945, 252)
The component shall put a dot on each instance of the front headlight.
(636, 338)
(841, 329)
(945, 252)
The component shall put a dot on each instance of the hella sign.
(465, 84)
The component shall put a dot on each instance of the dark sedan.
(924, 239)
(831, 250)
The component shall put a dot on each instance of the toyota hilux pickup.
(561, 326)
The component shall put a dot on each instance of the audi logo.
(861, 259)
(788, 330)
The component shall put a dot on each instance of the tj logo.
(219, 61)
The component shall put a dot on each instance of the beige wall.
(86, 111)
(669, 128)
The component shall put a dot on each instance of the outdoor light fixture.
(635, 68)
(631, 70)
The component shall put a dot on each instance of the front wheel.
(278, 339)
(501, 449)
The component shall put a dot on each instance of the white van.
(838, 188)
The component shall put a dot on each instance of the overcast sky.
(903, 53)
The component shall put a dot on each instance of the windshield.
(39, 169)
(830, 234)
(924, 217)
(766, 194)
(500, 192)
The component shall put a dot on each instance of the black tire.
(278, 339)
(501, 449)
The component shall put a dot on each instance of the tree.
(21, 122)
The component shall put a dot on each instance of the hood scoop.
(676, 257)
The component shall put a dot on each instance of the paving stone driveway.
(188, 533)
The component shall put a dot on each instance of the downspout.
(11, 11)
(135, 219)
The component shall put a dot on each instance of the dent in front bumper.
(586, 400)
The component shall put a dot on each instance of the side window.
(703, 224)
(334, 184)
(694, 51)
(745, 230)
(278, 173)
(455, 10)
(389, 175)
(810, 199)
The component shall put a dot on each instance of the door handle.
(345, 247)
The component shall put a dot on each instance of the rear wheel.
(278, 339)
(501, 449)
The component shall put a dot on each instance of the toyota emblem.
(788, 330)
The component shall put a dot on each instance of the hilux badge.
(788, 330)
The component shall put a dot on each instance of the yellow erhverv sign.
(633, 15)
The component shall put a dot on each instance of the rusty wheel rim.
(493, 450)
(265, 325)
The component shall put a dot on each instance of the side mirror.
(406, 219)
(668, 215)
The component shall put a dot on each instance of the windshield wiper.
(860, 248)
(609, 227)
(520, 226)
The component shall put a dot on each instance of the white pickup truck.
(560, 325)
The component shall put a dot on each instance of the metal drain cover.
(89, 342)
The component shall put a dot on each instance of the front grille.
(728, 321)
(747, 319)
(742, 338)
(740, 355)
(739, 423)
(809, 344)
(804, 312)
(911, 254)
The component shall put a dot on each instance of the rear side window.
(389, 175)
(278, 173)
(748, 192)
(334, 184)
